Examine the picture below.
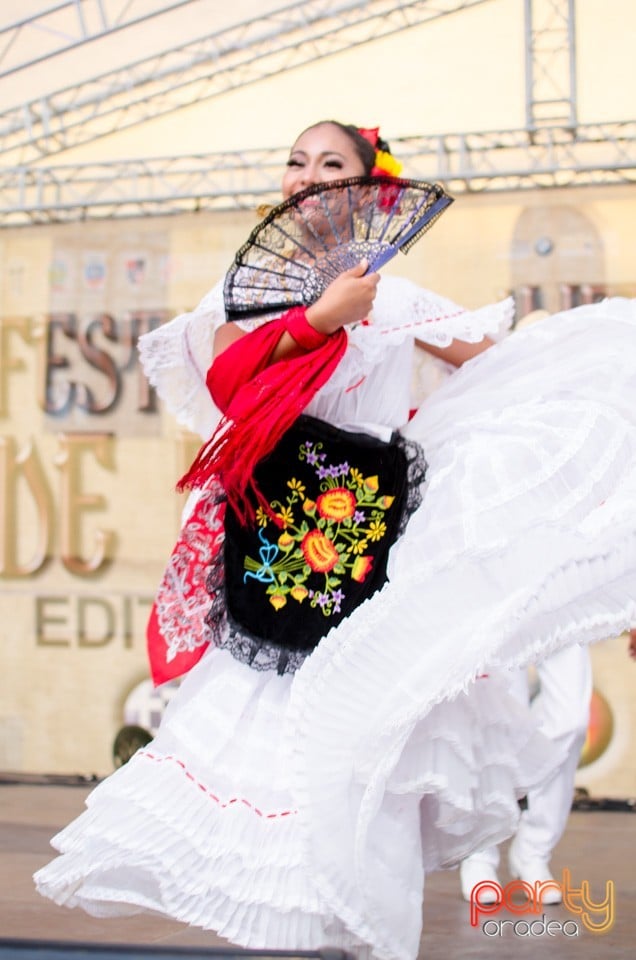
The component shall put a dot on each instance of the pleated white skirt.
(301, 811)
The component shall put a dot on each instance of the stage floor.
(597, 847)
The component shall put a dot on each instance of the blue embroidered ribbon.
(268, 553)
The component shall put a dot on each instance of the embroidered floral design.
(328, 536)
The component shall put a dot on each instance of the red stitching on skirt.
(212, 796)
(354, 386)
(420, 323)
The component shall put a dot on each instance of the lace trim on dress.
(175, 359)
(416, 474)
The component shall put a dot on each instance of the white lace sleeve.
(175, 358)
(405, 309)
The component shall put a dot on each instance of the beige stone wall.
(88, 509)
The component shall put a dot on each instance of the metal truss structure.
(550, 64)
(474, 162)
(70, 23)
(210, 66)
(552, 151)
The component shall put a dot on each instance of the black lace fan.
(308, 240)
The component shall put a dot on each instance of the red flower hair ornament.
(385, 163)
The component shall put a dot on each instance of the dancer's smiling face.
(322, 153)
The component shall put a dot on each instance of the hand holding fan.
(304, 243)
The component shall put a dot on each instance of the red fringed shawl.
(260, 401)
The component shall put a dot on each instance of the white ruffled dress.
(304, 810)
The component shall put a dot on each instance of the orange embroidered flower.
(299, 592)
(319, 551)
(278, 600)
(309, 506)
(371, 484)
(285, 541)
(361, 568)
(336, 504)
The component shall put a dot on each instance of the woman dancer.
(306, 777)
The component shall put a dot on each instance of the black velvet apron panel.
(339, 498)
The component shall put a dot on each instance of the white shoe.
(536, 871)
(473, 871)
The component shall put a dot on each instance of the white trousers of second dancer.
(561, 708)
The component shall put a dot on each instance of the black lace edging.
(261, 654)
(415, 477)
